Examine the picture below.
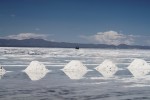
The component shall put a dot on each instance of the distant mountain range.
(45, 43)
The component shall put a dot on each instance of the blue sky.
(83, 21)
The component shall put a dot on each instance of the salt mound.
(75, 69)
(36, 70)
(139, 68)
(107, 68)
(2, 71)
(75, 65)
(36, 66)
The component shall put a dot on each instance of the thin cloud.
(23, 36)
(13, 15)
(37, 29)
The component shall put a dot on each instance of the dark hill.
(45, 43)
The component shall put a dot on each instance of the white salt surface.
(107, 68)
(55, 87)
(139, 68)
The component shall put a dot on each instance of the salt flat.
(56, 85)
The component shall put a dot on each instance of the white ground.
(89, 85)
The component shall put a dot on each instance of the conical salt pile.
(36, 70)
(107, 68)
(75, 69)
(36, 66)
(2, 71)
(139, 68)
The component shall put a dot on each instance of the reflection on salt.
(36, 75)
(75, 69)
(36, 70)
(139, 68)
(2, 71)
(107, 68)
(75, 74)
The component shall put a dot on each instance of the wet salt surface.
(56, 85)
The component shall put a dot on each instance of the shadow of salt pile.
(139, 68)
(107, 68)
(36, 71)
(2, 71)
(75, 69)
